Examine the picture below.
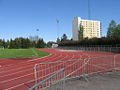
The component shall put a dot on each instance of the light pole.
(57, 28)
(37, 29)
(89, 10)
(37, 37)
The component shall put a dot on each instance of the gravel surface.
(109, 81)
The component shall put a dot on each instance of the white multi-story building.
(91, 28)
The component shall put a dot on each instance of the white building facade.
(91, 28)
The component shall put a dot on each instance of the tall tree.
(11, 44)
(64, 37)
(116, 31)
(58, 40)
(49, 44)
(80, 32)
(40, 43)
(111, 28)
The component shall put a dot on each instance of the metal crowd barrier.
(47, 73)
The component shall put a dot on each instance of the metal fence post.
(84, 69)
(114, 63)
(64, 79)
(35, 73)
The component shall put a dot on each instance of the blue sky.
(21, 18)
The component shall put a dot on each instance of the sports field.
(22, 53)
(20, 74)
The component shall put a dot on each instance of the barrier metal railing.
(55, 81)
(74, 68)
(99, 48)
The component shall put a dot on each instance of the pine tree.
(111, 28)
(58, 40)
(64, 37)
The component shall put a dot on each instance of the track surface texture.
(18, 74)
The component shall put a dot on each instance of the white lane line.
(27, 74)
(25, 62)
(31, 60)
(15, 86)
(34, 52)
(39, 58)
(23, 75)
(22, 70)
(15, 78)
(38, 71)
(16, 72)
(27, 82)
(32, 73)
(62, 58)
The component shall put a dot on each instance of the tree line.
(113, 29)
(20, 42)
(112, 38)
(113, 41)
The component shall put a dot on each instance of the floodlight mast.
(37, 37)
(89, 10)
(57, 28)
(37, 29)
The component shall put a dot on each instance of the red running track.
(18, 74)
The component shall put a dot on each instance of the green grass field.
(22, 53)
